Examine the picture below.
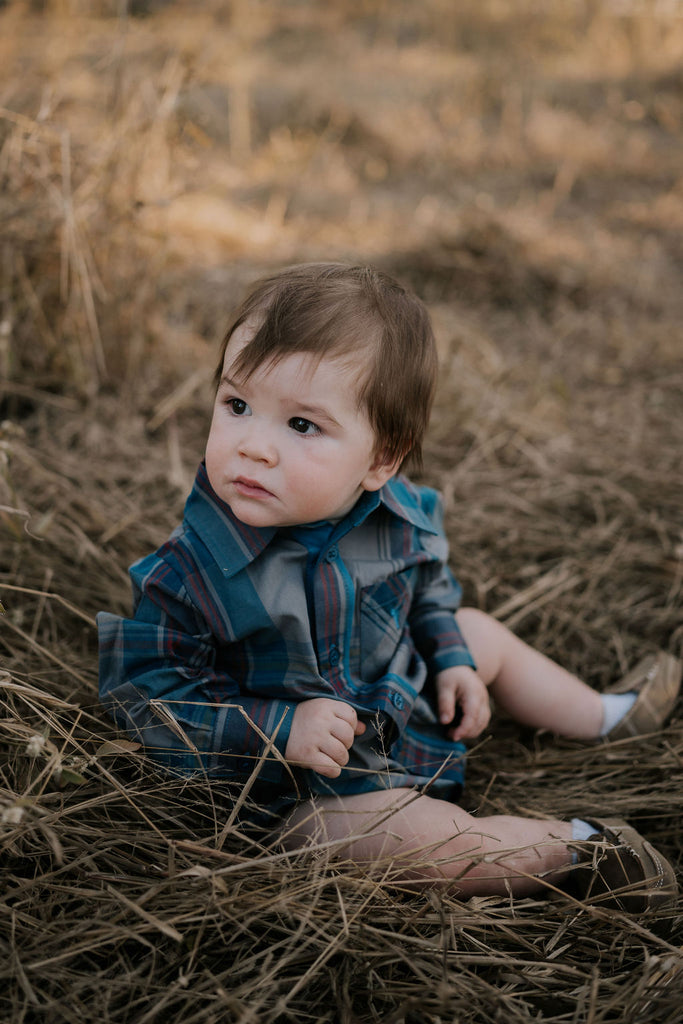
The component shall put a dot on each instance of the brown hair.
(333, 309)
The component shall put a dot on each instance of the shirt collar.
(402, 498)
(233, 544)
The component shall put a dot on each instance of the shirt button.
(334, 655)
(332, 554)
(397, 700)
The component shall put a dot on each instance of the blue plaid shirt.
(233, 626)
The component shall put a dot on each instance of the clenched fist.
(322, 733)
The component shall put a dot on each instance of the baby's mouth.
(251, 488)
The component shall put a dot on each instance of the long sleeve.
(160, 681)
(434, 625)
(432, 618)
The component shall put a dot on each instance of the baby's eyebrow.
(230, 382)
(315, 412)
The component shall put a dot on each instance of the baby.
(300, 632)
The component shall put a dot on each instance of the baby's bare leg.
(404, 836)
(527, 685)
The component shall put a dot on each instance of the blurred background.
(519, 163)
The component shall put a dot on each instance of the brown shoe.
(657, 680)
(619, 869)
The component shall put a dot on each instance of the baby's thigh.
(400, 831)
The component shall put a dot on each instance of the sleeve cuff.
(277, 722)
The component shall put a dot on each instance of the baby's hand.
(323, 731)
(461, 687)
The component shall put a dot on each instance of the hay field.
(521, 166)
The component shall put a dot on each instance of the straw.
(520, 169)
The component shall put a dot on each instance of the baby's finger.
(347, 715)
(326, 766)
(464, 729)
(336, 750)
(446, 704)
(473, 721)
(343, 732)
(328, 758)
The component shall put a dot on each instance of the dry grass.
(520, 167)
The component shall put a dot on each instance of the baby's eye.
(303, 426)
(238, 407)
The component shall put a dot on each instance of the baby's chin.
(259, 518)
(259, 514)
(269, 511)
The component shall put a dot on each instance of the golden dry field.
(520, 165)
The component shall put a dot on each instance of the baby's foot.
(654, 683)
(619, 869)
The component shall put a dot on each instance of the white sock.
(580, 830)
(614, 707)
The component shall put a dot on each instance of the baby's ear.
(381, 470)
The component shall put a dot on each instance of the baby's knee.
(479, 628)
(475, 618)
(487, 639)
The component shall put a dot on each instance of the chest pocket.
(384, 609)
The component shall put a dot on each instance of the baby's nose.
(258, 445)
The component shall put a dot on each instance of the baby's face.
(290, 445)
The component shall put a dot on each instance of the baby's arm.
(322, 732)
(160, 681)
(439, 639)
